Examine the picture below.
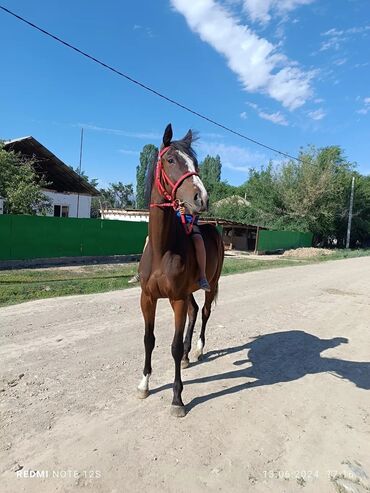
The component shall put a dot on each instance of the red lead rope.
(162, 178)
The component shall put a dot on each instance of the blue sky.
(286, 72)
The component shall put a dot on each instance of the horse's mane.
(183, 145)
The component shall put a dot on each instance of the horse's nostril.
(196, 197)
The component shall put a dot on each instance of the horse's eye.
(170, 160)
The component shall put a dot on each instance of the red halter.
(161, 178)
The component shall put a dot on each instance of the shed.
(235, 235)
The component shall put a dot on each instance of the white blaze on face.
(196, 180)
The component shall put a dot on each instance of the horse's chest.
(170, 278)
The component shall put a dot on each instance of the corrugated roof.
(62, 178)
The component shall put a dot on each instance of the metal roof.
(227, 223)
(203, 219)
(62, 178)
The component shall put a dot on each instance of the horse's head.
(180, 165)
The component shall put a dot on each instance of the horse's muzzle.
(201, 202)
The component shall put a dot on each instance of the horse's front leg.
(148, 306)
(180, 308)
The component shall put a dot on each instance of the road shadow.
(280, 357)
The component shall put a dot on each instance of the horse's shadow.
(280, 357)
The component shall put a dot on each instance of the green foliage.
(95, 201)
(91, 181)
(117, 196)
(147, 156)
(360, 231)
(20, 186)
(210, 172)
(310, 195)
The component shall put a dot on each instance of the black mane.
(183, 145)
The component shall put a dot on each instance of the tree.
(210, 172)
(20, 185)
(91, 181)
(117, 196)
(308, 195)
(95, 201)
(147, 156)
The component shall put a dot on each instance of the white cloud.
(260, 10)
(123, 133)
(233, 157)
(258, 65)
(147, 30)
(340, 61)
(243, 115)
(366, 108)
(336, 37)
(276, 117)
(128, 152)
(317, 114)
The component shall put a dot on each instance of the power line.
(134, 81)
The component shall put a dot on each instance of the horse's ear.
(188, 137)
(167, 136)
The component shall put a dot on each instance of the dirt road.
(281, 403)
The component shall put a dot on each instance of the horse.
(168, 267)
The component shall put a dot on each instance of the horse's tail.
(216, 295)
(221, 255)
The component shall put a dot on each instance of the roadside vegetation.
(17, 286)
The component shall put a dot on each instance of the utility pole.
(79, 172)
(350, 213)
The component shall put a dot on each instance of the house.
(69, 194)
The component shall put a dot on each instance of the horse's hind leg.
(206, 312)
(193, 309)
(148, 307)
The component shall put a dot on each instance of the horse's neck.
(161, 227)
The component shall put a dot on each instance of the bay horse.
(168, 267)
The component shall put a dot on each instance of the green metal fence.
(277, 240)
(28, 237)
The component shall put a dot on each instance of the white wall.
(70, 199)
(125, 216)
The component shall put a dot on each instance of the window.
(61, 210)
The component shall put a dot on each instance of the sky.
(288, 73)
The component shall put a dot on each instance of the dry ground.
(281, 403)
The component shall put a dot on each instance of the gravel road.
(281, 402)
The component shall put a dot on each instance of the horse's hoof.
(142, 394)
(178, 411)
(198, 356)
(185, 363)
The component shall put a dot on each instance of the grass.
(17, 286)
